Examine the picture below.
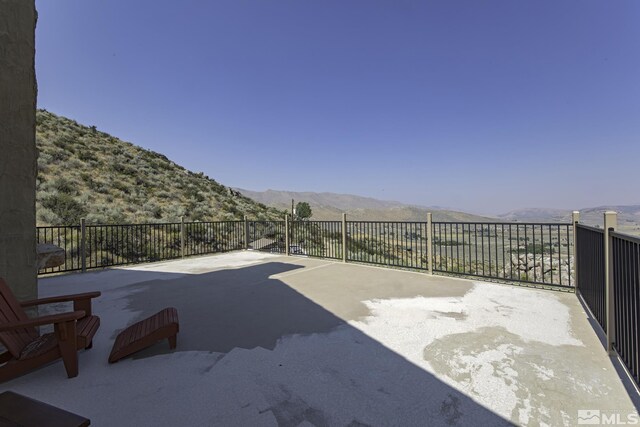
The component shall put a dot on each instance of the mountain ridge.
(331, 206)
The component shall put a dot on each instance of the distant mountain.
(86, 173)
(628, 216)
(537, 215)
(330, 206)
(338, 201)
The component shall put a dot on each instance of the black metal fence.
(123, 244)
(267, 236)
(532, 253)
(203, 238)
(321, 239)
(535, 253)
(389, 243)
(110, 245)
(625, 269)
(66, 237)
(590, 256)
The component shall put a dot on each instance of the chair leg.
(66, 334)
(69, 358)
(173, 341)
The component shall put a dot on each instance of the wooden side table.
(17, 410)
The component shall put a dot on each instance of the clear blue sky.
(484, 106)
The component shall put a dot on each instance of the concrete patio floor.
(273, 340)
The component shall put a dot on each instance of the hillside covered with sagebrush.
(86, 173)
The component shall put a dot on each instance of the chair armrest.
(60, 298)
(43, 320)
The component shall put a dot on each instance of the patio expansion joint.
(303, 270)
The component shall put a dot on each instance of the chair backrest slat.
(11, 311)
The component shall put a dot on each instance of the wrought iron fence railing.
(322, 239)
(110, 245)
(532, 253)
(266, 236)
(66, 237)
(388, 243)
(590, 254)
(203, 238)
(625, 269)
(608, 269)
(536, 253)
(98, 246)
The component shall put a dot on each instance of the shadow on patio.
(246, 308)
(251, 351)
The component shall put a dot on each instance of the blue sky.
(483, 106)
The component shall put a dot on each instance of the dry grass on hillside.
(83, 172)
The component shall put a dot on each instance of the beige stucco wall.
(18, 146)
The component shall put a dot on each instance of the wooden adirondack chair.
(27, 349)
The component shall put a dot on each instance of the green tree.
(303, 210)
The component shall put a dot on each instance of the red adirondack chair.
(27, 349)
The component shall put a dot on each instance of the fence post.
(575, 218)
(610, 224)
(83, 246)
(344, 237)
(246, 233)
(182, 237)
(429, 242)
(286, 234)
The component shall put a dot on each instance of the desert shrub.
(121, 185)
(64, 185)
(163, 194)
(64, 142)
(97, 186)
(59, 156)
(87, 155)
(119, 166)
(152, 210)
(65, 207)
(73, 164)
(86, 177)
(46, 216)
(173, 212)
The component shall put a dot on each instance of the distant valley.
(86, 173)
(628, 216)
(330, 206)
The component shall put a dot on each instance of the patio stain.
(291, 411)
(450, 410)
(535, 380)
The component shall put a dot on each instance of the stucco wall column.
(18, 146)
